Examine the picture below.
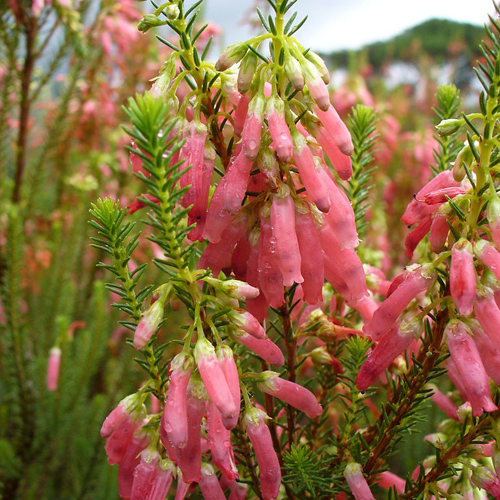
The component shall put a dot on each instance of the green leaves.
(362, 127)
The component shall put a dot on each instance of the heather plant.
(273, 351)
(267, 265)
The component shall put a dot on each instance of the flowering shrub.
(277, 353)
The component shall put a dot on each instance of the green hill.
(438, 38)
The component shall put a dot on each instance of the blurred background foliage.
(65, 71)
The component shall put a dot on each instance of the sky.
(349, 24)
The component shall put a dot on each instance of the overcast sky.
(341, 24)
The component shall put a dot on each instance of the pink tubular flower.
(316, 85)
(238, 491)
(439, 231)
(189, 457)
(337, 128)
(198, 212)
(162, 480)
(129, 462)
(269, 466)
(278, 129)
(483, 477)
(416, 235)
(283, 230)
(304, 161)
(174, 420)
(240, 114)
(182, 487)
(236, 179)
(490, 355)
(53, 368)
(357, 482)
(394, 342)
(248, 323)
(341, 162)
(342, 219)
(213, 378)
(119, 427)
(466, 357)
(293, 394)
(148, 324)
(311, 266)
(227, 198)
(192, 152)
(217, 254)
(219, 443)
(209, 484)
(265, 348)
(386, 315)
(488, 315)
(462, 276)
(269, 272)
(252, 128)
(388, 480)
(230, 370)
(444, 403)
(489, 256)
(121, 414)
(417, 209)
(144, 474)
(345, 264)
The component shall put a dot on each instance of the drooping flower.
(291, 393)
(53, 368)
(353, 474)
(174, 419)
(466, 357)
(463, 276)
(269, 466)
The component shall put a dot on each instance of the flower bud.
(53, 368)
(336, 127)
(267, 460)
(247, 70)
(316, 85)
(464, 156)
(439, 229)
(294, 72)
(448, 127)
(148, 324)
(488, 315)
(149, 21)
(319, 64)
(291, 393)
(172, 11)
(233, 54)
(357, 482)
